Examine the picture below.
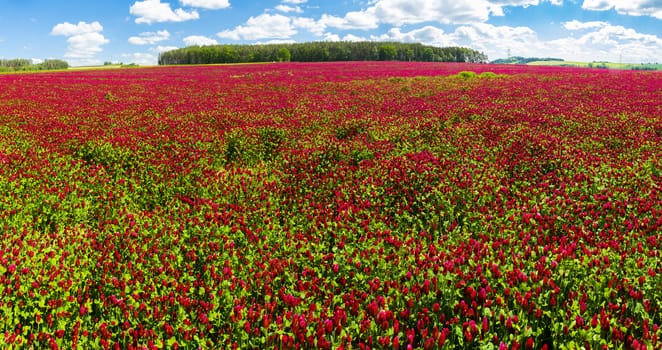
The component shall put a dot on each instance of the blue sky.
(92, 32)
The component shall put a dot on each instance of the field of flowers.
(331, 206)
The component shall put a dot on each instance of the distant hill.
(524, 60)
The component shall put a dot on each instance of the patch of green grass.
(607, 65)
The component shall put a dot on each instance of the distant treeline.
(23, 64)
(524, 60)
(320, 52)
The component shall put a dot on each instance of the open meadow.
(357, 205)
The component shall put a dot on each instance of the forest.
(24, 64)
(320, 52)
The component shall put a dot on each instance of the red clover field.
(363, 205)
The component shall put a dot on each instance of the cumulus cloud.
(348, 37)
(150, 38)
(153, 11)
(523, 3)
(598, 41)
(651, 8)
(141, 58)
(275, 41)
(496, 6)
(207, 4)
(281, 27)
(377, 12)
(577, 25)
(401, 12)
(159, 48)
(69, 29)
(487, 38)
(309, 24)
(609, 42)
(406, 12)
(352, 20)
(85, 39)
(287, 9)
(199, 40)
(264, 26)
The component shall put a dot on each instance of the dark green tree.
(387, 52)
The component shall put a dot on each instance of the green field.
(609, 65)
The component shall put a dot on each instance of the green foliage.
(388, 52)
(284, 55)
(350, 129)
(320, 51)
(21, 64)
(250, 147)
(488, 75)
(467, 75)
(400, 212)
(107, 155)
(270, 139)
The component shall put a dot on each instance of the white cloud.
(611, 43)
(277, 26)
(199, 40)
(275, 41)
(496, 6)
(287, 9)
(651, 8)
(207, 4)
(150, 38)
(264, 26)
(85, 39)
(351, 37)
(149, 58)
(600, 41)
(69, 29)
(401, 12)
(352, 20)
(404, 12)
(309, 24)
(141, 58)
(429, 35)
(164, 48)
(348, 37)
(80, 62)
(577, 25)
(523, 3)
(295, 2)
(85, 45)
(331, 37)
(152, 11)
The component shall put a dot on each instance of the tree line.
(320, 52)
(23, 64)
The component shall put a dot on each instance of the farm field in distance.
(357, 205)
